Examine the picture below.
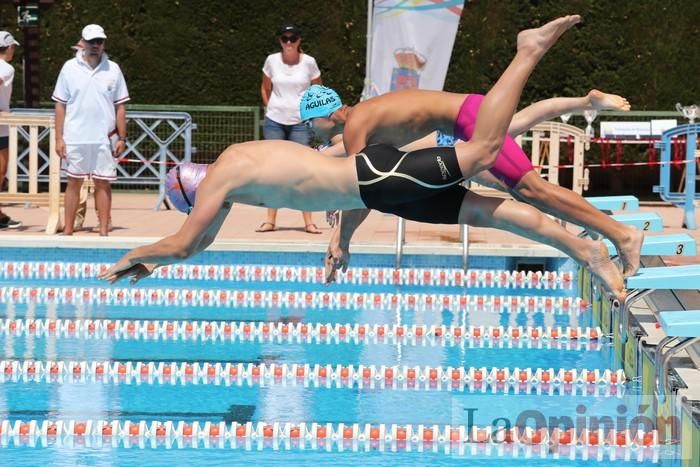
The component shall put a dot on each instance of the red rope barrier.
(616, 164)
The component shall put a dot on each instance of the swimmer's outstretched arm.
(196, 234)
(338, 254)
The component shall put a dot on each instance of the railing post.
(45, 120)
(400, 234)
(256, 124)
(464, 233)
(54, 221)
(690, 180)
(12, 160)
(33, 159)
(162, 159)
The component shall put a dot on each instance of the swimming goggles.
(182, 190)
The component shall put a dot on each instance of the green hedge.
(211, 52)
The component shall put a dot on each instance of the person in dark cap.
(286, 74)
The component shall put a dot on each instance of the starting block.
(664, 245)
(683, 327)
(661, 245)
(644, 221)
(681, 323)
(645, 282)
(614, 203)
(648, 280)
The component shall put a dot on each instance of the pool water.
(152, 395)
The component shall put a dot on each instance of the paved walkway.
(136, 222)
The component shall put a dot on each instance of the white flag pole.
(368, 55)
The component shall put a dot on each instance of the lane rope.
(558, 337)
(302, 274)
(291, 299)
(460, 379)
(457, 439)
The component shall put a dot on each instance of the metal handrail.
(624, 310)
(464, 231)
(401, 241)
(662, 359)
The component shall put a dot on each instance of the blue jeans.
(297, 133)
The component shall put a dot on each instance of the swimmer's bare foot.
(602, 101)
(629, 250)
(539, 40)
(605, 270)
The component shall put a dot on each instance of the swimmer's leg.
(499, 105)
(552, 108)
(525, 220)
(572, 207)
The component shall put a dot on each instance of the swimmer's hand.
(332, 218)
(124, 268)
(336, 258)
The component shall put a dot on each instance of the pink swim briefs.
(512, 163)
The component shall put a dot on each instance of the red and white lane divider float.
(303, 274)
(450, 439)
(575, 338)
(372, 376)
(295, 299)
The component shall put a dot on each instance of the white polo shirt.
(7, 74)
(90, 96)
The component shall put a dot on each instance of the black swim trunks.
(423, 185)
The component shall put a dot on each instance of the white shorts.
(90, 161)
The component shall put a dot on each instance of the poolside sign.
(28, 16)
(635, 129)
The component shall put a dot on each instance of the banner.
(410, 44)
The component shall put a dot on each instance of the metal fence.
(215, 127)
(157, 139)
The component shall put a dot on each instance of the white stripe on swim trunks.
(392, 172)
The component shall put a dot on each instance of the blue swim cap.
(318, 101)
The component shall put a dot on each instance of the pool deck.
(137, 222)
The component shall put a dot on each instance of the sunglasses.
(96, 41)
(287, 39)
(182, 190)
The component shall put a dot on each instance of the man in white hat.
(90, 94)
(7, 74)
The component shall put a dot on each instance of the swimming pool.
(250, 358)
